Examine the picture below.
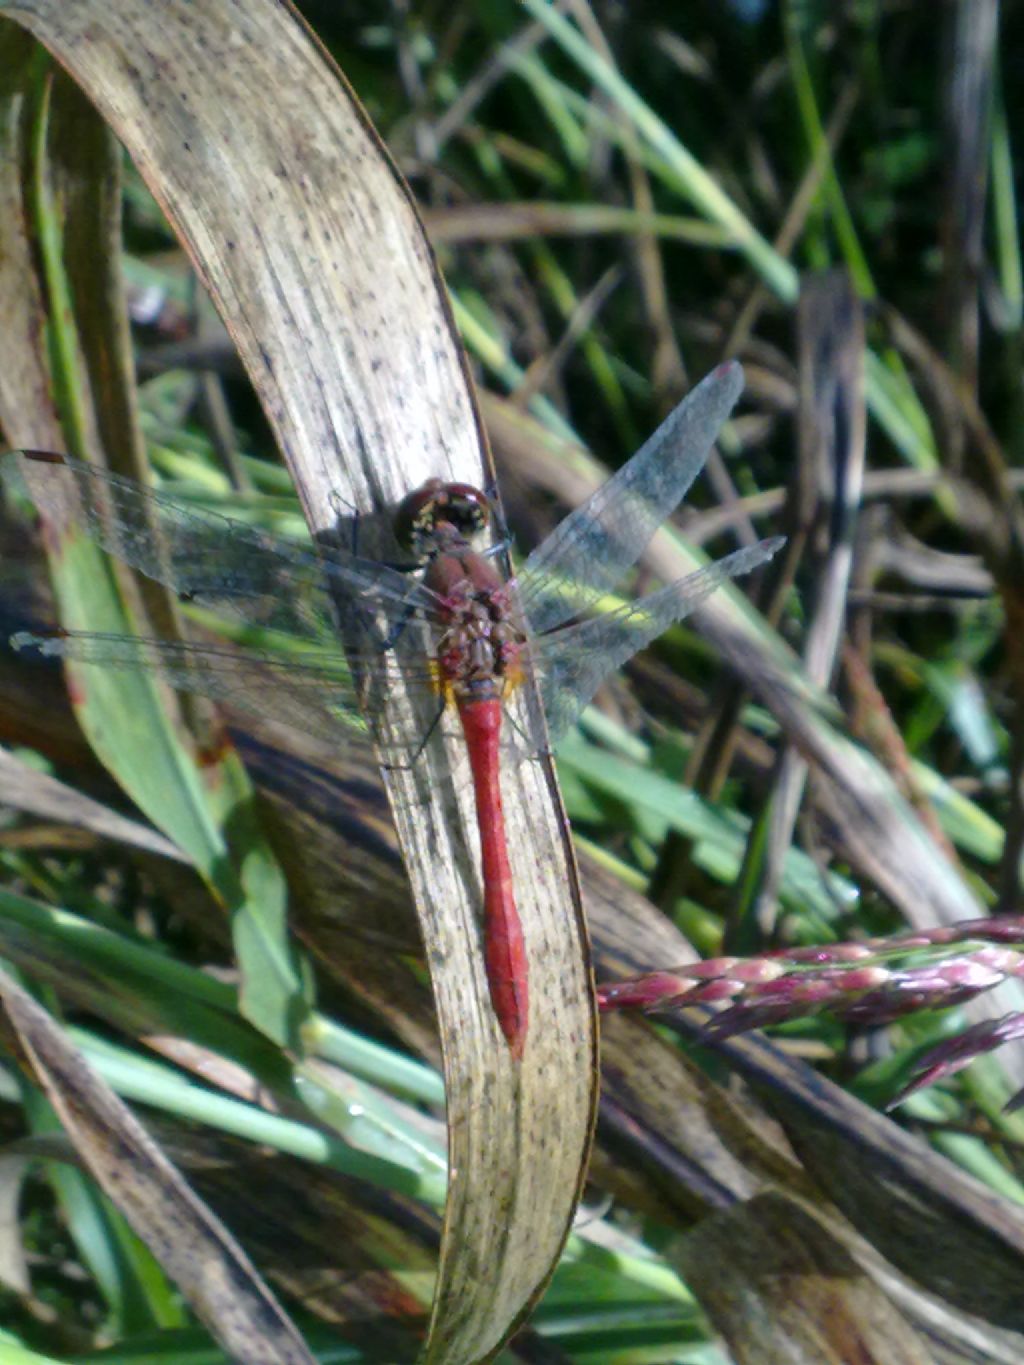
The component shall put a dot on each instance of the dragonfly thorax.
(481, 646)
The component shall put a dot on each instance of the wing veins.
(573, 661)
(588, 553)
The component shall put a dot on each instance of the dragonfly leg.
(345, 511)
(398, 627)
(430, 729)
(530, 748)
(417, 753)
(500, 547)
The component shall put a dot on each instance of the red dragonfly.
(451, 621)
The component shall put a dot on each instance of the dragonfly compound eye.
(457, 504)
(467, 508)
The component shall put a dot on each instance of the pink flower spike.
(906, 941)
(814, 955)
(851, 952)
(711, 967)
(711, 992)
(969, 973)
(954, 1054)
(857, 979)
(642, 992)
(758, 969)
(1009, 961)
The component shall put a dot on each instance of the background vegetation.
(620, 196)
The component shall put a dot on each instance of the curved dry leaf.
(310, 247)
(778, 1286)
(197, 1252)
(940, 1226)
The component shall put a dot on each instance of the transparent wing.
(307, 690)
(214, 559)
(573, 662)
(589, 552)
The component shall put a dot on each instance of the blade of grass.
(894, 405)
(702, 190)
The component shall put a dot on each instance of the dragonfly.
(450, 623)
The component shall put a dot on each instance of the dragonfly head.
(435, 511)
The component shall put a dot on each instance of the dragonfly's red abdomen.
(504, 947)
